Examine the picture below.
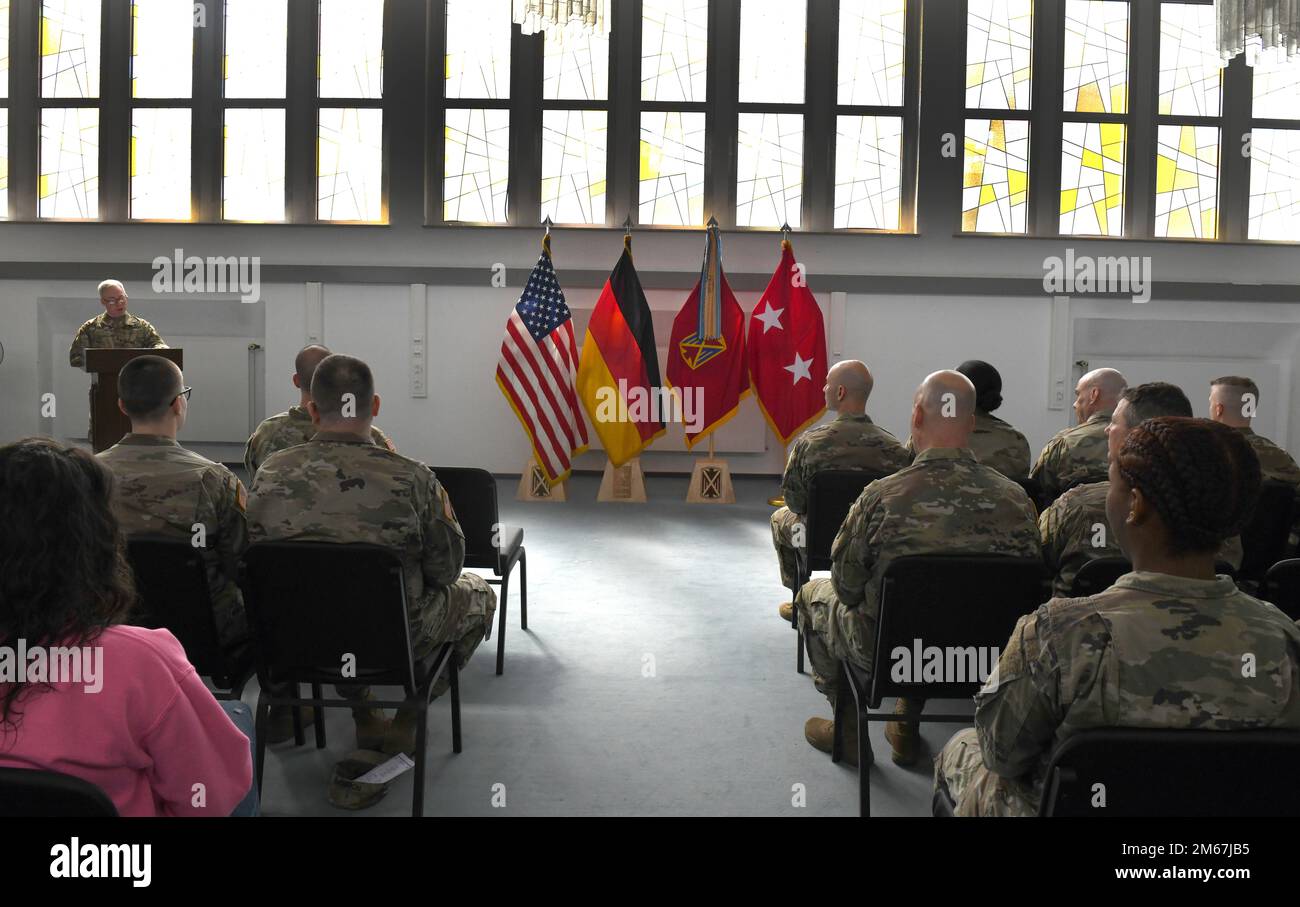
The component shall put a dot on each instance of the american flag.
(538, 365)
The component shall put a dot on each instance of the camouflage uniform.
(849, 441)
(1274, 462)
(1152, 651)
(287, 429)
(113, 333)
(164, 489)
(995, 443)
(1074, 455)
(1068, 531)
(944, 503)
(339, 488)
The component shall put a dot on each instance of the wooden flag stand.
(533, 487)
(711, 481)
(624, 484)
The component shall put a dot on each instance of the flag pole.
(779, 500)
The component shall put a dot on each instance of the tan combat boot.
(786, 610)
(903, 737)
(821, 734)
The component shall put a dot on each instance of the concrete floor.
(574, 727)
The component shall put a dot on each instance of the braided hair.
(1203, 478)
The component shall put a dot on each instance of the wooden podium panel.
(107, 422)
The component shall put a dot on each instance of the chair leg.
(864, 781)
(501, 624)
(798, 655)
(455, 703)
(318, 716)
(298, 737)
(421, 739)
(837, 732)
(523, 589)
(261, 721)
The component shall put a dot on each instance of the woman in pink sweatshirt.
(80, 693)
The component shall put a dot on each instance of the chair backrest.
(30, 793)
(1264, 539)
(1034, 489)
(317, 608)
(960, 609)
(172, 584)
(830, 497)
(473, 494)
(1173, 773)
(1098, 575)
(1281, 586)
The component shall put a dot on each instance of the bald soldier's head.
(943, 411)
(1097, 392)
(304, 369)
(848, 386)
(343, 397)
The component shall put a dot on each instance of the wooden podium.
(107, 423)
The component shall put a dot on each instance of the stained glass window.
(70, 35)
(769, 170)
(672, 169)
(4, 163)
(69, 179)
(868, 172)
(1275, 184)
(477, 64)
(1092, 179)
(350, 161)
(1189, 63)
(773, 34)
(995, 184)
(1187, 181)
(160, 163)
(351, 62)
(999, 54)
(573, 166)
(1277, 92)
(253, 188)
(256, 48)
(674, 49)
(1096, 56)
(162, 49)
(575, 67)
(476, 166)
(872, 41)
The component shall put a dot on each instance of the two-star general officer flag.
(618, 376)
(787, 351)
(706, 356)
(536, 370)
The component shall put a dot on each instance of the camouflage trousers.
(783, 522)
(832, 632)
(471, 605)
(976, 790)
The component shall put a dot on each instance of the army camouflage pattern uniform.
(849, 441)
(340, 488)
(164, 489)
(1275, 464)
(1074, 455)
(995, 443)
(113, 333)
(287, 429)
(944, 503)
(1152, 651)
(1068, 532)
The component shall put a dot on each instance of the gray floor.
(574, 727)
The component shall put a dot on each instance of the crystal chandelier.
(1267, 31)
(558, 18)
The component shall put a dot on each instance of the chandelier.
(558, 18)
(1267, 31)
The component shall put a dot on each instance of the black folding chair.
(963, 604)
(473, 494)
(1034, 489)
(1264, 540)
(1100, 573)
(1164, 773)
(1281, 587)
(830, 497)
(29, 793)
(320, 609)
(172, 583)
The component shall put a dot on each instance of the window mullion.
(1046, 118)
(820, 99)
(1144, 87)
(301, 112)
(1234, 166)
(623, 160)
(526, 71)
(207, 133)
(115, 112)
(723, 94)
(24, 109)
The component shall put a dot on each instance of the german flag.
(618, 373)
